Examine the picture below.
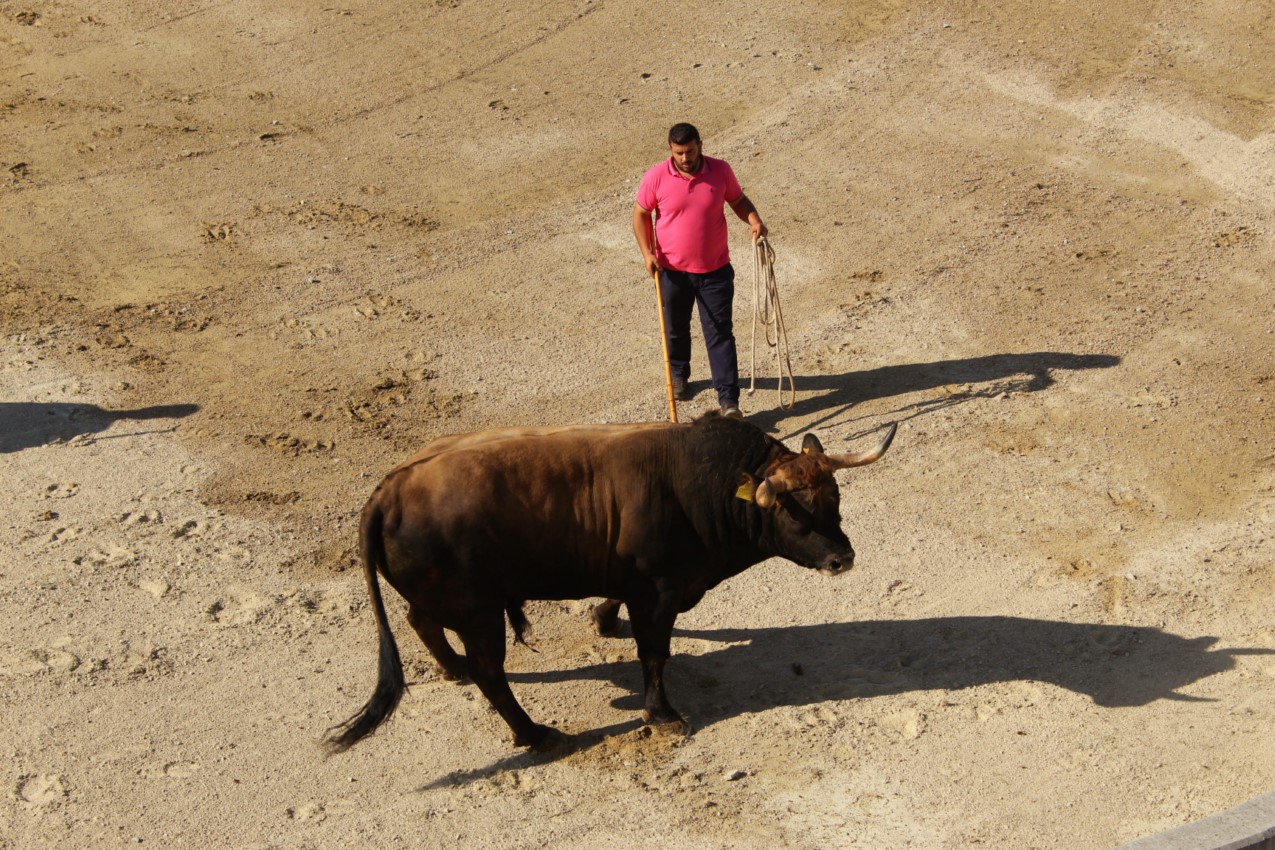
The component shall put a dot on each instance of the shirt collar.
(704, 168)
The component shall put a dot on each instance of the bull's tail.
(390, 683)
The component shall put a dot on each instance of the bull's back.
(472, 439)
(532, 513)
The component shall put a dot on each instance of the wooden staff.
(668, 369)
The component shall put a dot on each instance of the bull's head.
(801, 492)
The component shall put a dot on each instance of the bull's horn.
(770, 488)
(864, 458)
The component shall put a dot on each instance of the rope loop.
(769, 314)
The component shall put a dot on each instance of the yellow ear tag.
(745, 491)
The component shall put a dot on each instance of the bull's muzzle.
(835, 565)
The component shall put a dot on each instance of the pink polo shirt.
(690, 224)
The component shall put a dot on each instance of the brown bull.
(651, 515)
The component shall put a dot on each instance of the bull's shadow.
(24, 425)
(757, 670)
(830, 396)
(760, 669)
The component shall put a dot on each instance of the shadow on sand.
(756, 670)
(830, 396)
(24, 425)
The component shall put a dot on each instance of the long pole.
(668, 369)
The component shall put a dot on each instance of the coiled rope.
(767, 311)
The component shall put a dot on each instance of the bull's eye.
(802, 520)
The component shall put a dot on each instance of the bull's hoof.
(542, 739)
(606, 619)
(673, 724)
(458, 673)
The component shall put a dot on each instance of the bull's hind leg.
(453, 666)
(484, 639)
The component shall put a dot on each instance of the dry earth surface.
(252, 254)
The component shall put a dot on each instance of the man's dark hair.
(682, 134)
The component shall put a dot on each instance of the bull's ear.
(759, 491)
(811, 445)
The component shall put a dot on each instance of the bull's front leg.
(652, 621)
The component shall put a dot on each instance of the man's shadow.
(830, 396)
(757, 670)
(24, 425)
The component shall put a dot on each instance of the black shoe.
(681, 390)
(732, 410)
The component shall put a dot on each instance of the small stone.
(735, 775)
(157, 588)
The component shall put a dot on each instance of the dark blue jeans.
(714, 292)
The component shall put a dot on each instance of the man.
(687, 245)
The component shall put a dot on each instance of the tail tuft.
(390, 686)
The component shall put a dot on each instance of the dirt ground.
(253, 254)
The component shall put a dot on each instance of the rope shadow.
(25, 425)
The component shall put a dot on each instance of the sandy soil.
(253, 254)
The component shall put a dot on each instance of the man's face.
(686, 157)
